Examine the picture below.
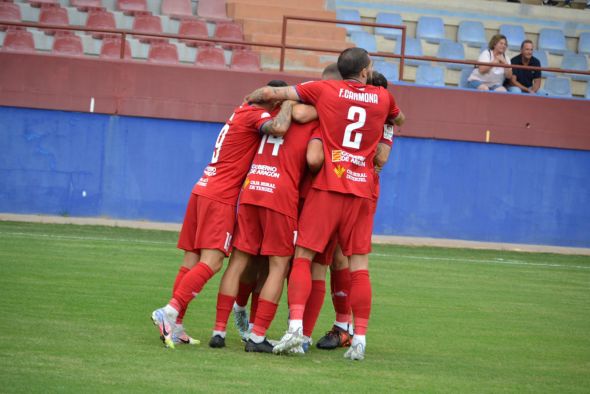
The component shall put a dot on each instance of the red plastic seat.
(39, 3)
(54, 16)
(100, 19)
(111, 48)
(212, 9)
(149, 24)
(178, 9)
(9, 13)
(163, 52)
(194, 28)
(17, 40)
(67, 45)
(245, 60)
(132, 7)
(229, 31)
(210, 57)
(87, 5)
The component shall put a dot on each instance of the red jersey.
(351, 118)
(277, 169)
(235, 147)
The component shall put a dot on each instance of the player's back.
(351, 116)
(234, 149)
(277, 168)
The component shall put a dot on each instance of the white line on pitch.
(495, 261)
(74, 238)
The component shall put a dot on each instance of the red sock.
(244, 292)
(192, 284)
(360, 300)
(254, 307)
(340, 281)
(264, 316)
(225, 304)
(181, 272)
(299, 287)
(313, 306)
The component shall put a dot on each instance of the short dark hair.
(331, 72)
(277, 83)
(352, 61)
(378, 79)
(526, 42)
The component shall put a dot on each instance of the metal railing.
(283, 46)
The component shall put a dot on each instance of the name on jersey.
(264, 170)
(371, 98)
(267, 187)
(339, 156)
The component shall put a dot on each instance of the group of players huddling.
(303, 161)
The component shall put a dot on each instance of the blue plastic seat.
(430, 75)
(388, 69)
(472, 33)
(430, 28)
(350, 16)
(542, 56)
(584, 43)
(465, 73)
(578, 62)
(558, 87)
(514, 34)
(552, 40)
(413, 48)
(452, 50)
(365, 40)
(390, 19)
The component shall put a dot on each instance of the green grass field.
(76, 302)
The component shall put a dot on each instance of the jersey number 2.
(349, 141)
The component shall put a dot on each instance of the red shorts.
(327, 256)
(327, 214)
(263, 231)
(208, 224)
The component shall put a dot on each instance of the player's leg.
(339, 335)
(261, 263)
(314, 302)
(179, 335)
(228, 289)
(268, 303)
(360, 301)
(245, 289)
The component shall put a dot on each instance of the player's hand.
(256, 96)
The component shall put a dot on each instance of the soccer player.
(341, 333)
(210, 216)
(266, 225)
(351, 115)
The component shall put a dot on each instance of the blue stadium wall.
(79, 164)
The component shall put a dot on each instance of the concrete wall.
(78, 164)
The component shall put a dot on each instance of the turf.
(76, 302)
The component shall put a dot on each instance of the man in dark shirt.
(528, 81)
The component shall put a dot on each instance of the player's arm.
(315, 155)
(381, 156)
(270, 93)
(303, 113)
(279, 125)
(399, 120)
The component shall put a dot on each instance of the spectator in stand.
(525, 81)
(568, 4)
(491, 77)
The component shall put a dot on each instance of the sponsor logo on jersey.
(356, 176)
(264, 170)
(339, 171)
(210, 171)
(345, 157)
(259, 186)
(246, 183)
(264, 115)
